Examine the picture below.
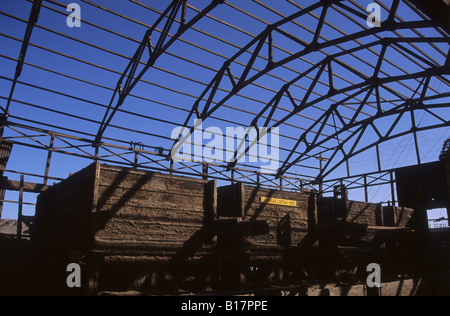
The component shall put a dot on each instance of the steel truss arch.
(209, 102)
(371, 85)
(409, 105)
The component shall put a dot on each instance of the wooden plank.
(95, 185)
(210, 208)
(28, 187)
(19, 217)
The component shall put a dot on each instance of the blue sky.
(84, 64)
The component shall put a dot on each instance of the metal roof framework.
(335, 87)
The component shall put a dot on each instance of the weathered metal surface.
(112, 207)
(5, 152)
(288, 224)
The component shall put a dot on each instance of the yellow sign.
(278, 201)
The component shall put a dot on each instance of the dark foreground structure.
(342, 87)
(141, 232)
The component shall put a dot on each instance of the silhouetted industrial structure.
(138, 220)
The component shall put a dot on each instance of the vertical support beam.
(210, 210)
(171, 167)
(136, 160)
(348, 167)
(321, 179)
(5, 152)
(20, 211)
(91, 275)
(49, 158)
(231, 250)
(378, 158)
(416, 142)
(97, 147)
(366, 191)
(330, 79)
(447, 175)
(205, 171)
(392, 182)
